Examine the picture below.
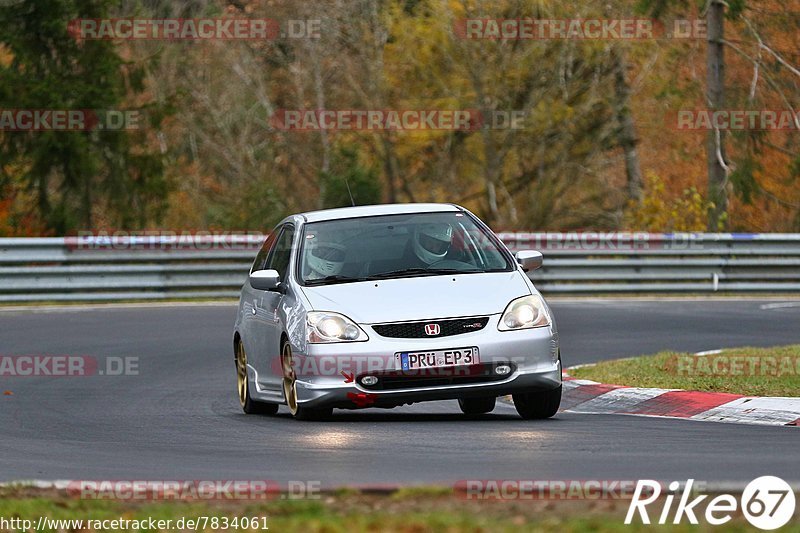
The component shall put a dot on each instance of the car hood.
(420, 298)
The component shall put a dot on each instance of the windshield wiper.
(330, 280)
(408, 272)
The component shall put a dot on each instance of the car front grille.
(416, 330)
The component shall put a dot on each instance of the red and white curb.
(589, 397)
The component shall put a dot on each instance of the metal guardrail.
(152, 268)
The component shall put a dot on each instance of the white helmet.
(326, 259)
(432, 241)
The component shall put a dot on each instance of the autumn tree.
(74, 175)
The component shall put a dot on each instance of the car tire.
(290, 390)
(539, 404)
(477, 406)
(249, 405)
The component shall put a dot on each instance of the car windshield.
(395, 246)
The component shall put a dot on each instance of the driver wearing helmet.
(325, 259)
(431, 242)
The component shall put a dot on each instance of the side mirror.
(529, 259)
(265, 280)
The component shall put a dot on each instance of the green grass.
(408, 510)
(749, 371)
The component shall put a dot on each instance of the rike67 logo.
(767, 502)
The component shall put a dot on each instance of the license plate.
(438, 358)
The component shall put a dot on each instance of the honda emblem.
(432, 329)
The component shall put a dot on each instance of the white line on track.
(779, 305)
(709, 352)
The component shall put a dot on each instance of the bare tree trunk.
(715, 144)
(390, 166)
(319, 89)
(626, 136)
(491, 158)
(491, 175)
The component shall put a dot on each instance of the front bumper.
(329, 374)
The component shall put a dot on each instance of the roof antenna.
(353, 202)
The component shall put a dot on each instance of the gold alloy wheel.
(241, 373)
(289, 386)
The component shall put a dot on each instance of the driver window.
(281, 256)
(261, 259)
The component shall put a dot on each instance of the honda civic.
(387, 305)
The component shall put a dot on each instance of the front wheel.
(249, 405)
(290, 390)
(539, 404)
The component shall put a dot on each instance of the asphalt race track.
(179, 419)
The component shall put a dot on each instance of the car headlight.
(332, 327)
(526, 312)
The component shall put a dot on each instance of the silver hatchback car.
(381, 306)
